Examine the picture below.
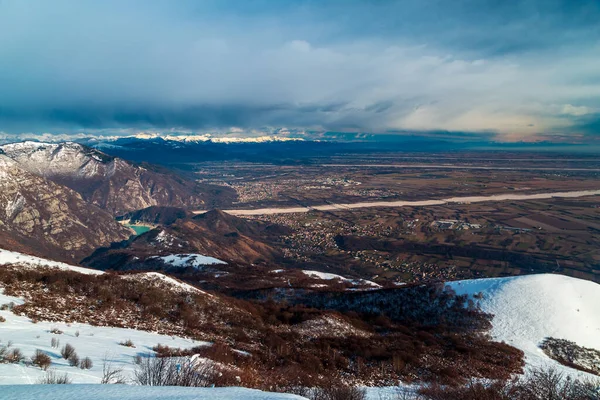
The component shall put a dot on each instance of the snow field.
(125, 392)
(93, 341)
(529, 308)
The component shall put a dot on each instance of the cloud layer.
(473, 66)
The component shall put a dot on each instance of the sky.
(525, 70)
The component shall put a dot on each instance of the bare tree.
(86, 363)
(41, 359)
(339, 392)
(539, 384)
(52, 378)
(550, 384)
(110, 374)
(67, 351)
(14, 356)
(73, 359)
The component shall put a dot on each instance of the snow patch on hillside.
(93, 341)
(529, 308)
(12, 257)
(327, 277)
(161, 279)
(188, 260)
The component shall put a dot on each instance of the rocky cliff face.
(47, 219)
(110, 183)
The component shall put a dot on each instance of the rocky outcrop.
(47, 219)
(110, 183)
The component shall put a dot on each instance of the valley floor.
(405, 203)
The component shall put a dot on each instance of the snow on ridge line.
(529, 308)
(328, 276)
(13, 257)
(157, 276)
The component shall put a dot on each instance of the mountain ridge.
(111, 183)
(44, 218)
(214, 234)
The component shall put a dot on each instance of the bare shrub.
(41, 359)
(14, 356)
(52, 378)
(339, 392)
(66, 351)
(86, 363)
(73, 359)
(549, 384)
(572, 355)
(127, 343)
(540, 384)
(76, 333)
(155, 371)
(2, 319)
(470, 391)
(137, 359)
(56, 331)
(110, 374)
(54, 343)
(298, 390)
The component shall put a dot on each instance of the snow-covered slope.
(24, 260)
(67, 159)
(121, 392)
(93, 341)
(528, 309)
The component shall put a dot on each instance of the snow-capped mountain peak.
(59, 159)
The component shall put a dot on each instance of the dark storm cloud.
(588, 125)
(517, 68)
